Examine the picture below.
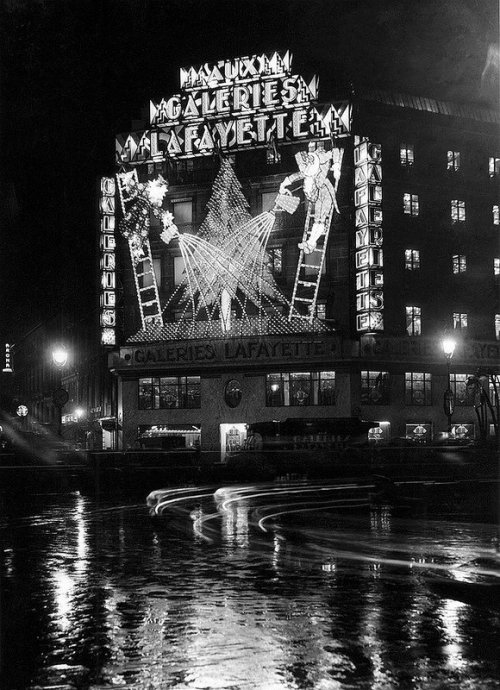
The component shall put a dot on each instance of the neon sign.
(234, 104)
(8, 365)
(369, 237)
(107, 261)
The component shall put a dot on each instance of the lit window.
(406, 154)
(496, 267)
(412, 259)
(459, 320)
(494, 166)
(497, 326)
(410, 204)
(275, 260)
(169, 392)
(268, 199)
(417, 388)
(459, 263)
(496, 214)
(463, 393)
(413, 320)
(453, 160)
(457, 211)
(375, 388)
(321, 310)
(462, 431)
(300, 389)
(419, 433)
(183, 213)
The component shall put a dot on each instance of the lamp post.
(448, 345)
(59, 396)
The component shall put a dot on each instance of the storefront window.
(419, 433)
(464, 395)
(418, 388)
(169, 392)
(300, 389)
(169, 436)
(375, 388)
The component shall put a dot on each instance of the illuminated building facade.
(284, 259)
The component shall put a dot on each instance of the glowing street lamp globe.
(60, 356)
(79, 412)
(448, 347)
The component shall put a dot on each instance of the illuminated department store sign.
(234, 104)
(107, 261)
(369, 236)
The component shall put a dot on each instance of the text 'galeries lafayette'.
(235, 103)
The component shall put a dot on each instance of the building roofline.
(430, 105)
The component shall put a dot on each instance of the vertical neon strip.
(8, 364)
(107, 261)
(369, 236)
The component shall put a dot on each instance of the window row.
(458, 262)
(411, 207)
(169, 392)
(183, 209)
(302, 389)
(453, 160)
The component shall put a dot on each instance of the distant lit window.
(459, 320)
(321, 310)
(463, 394)
(413, 320)
(457, 211)
(183, 212)
(412, 259)
(497, 326)
(169, 392)
(496, 267)
(494, 166)
(453, 162)
(417, 388)
(410, 204)
(496, 214)
(375, 388)
(276, 260)
(407, 155)
(300, 389)
(459, 263)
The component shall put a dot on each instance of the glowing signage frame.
(369, 236)
(8, 362)
(242, 103)
(107, 263)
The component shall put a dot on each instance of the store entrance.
(232, 439)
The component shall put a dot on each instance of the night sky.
(75, 72)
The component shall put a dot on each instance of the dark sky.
(75, 72)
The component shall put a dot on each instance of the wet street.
(267, 586)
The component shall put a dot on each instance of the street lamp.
(59, 396)
(60, 356)
(448, 345)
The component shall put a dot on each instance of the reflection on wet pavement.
(271, 586)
